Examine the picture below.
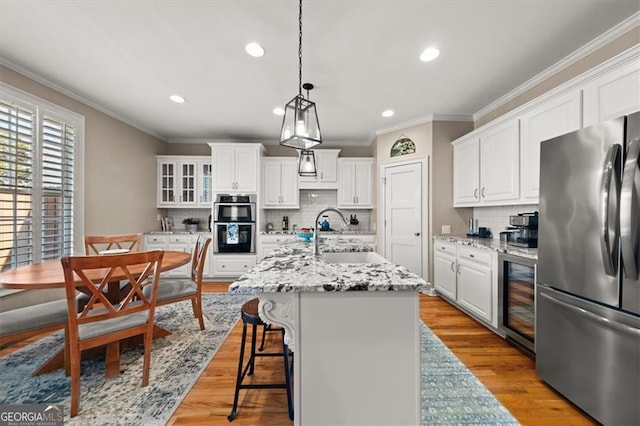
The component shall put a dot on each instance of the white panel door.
(554, 117)
(466, 172)
(500, 163)
(403, 216)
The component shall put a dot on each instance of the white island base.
(357, 355)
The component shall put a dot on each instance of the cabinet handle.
(475, 193)
(417, 234)
(357, 200)
(452, 269)
(321, 175)
(483, 196)
(471, 256)
(458, 269)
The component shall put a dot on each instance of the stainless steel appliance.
(588, 291)
(526, 230)
(234, 224)
(516, 299)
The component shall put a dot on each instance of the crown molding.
(38, 79)
(607, 37)
(423, 120)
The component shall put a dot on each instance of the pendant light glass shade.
(300, 127)
(307, 164)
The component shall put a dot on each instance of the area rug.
(177, 361)
(451, 394)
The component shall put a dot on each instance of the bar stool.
(249, 314)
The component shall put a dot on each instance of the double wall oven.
(234, 224)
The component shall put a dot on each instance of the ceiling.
(127, 57)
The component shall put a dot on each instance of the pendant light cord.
(300, 49)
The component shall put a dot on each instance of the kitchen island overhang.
(354, 328)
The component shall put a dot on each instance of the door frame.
(425, 211)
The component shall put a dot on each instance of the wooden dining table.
(50, 275)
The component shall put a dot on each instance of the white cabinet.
(466, 171)
(173, 242)
(235, 167)
(232, 266)
(205, 184)
(613, 94)
(500, 162)
(326, 168)
(280, 183)
(466, 276)
(355, 182)
(487, 166)
(554, 117)
(181, 181)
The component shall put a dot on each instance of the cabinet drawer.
(445, 247)
(232, 266)
(478, 255)
(155, 239)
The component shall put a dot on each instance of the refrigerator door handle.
(597, 318)
(628, 217)
(609, 224)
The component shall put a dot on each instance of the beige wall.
(433, 140)
(345, 151)
(120, 165)
(617, 46)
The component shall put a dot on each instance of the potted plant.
(191, 224)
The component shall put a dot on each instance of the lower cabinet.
(232, 266)
(178, 242)
(467, 277)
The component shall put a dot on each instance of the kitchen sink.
(354, 257)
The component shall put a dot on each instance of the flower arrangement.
(190, 221)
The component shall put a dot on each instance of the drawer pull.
(471, 255)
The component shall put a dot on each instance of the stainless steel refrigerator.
(588, 292)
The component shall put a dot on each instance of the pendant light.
(300, 126)
(307, 163)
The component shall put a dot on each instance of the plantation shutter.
(37, 147)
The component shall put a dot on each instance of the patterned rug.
(450, 393)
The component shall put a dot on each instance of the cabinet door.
(179, 243)
(346, 183)
(500, 163)
(614, 94)
(466, 172)
(205, 189)
(554, 117)
(364, 184)
(188, 181)
(289, 183)
(327, 163)
(246, 169)
(474, 288)
(444, 274)
(166, 183)
(223, 169)
(271, 183)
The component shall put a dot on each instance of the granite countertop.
(491, 244)
(293, 268)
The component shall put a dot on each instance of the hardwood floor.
(504, 370)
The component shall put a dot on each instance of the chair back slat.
(198, 257)
(94, 244)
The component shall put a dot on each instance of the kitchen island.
(352, 319)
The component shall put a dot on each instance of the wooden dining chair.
(172, 290)
(101, 322)
(99, 244)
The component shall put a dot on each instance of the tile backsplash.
(311, 202)
(497, 218)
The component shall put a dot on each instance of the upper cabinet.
(280, 183)
(235, 167)
(554, 117)
(326, 168)
(183, 181)
(355, 177)
(613, 94)
(486, 166)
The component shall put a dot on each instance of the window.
(40, 197)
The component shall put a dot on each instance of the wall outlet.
(446, 229)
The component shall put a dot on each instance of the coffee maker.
(526, 230)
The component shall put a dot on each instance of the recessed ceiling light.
(177, 99)
(388, 113)
(254, 49)
(429, 54)
(278, 111)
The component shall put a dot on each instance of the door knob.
(417, 234)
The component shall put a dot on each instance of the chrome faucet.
(316, 237)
